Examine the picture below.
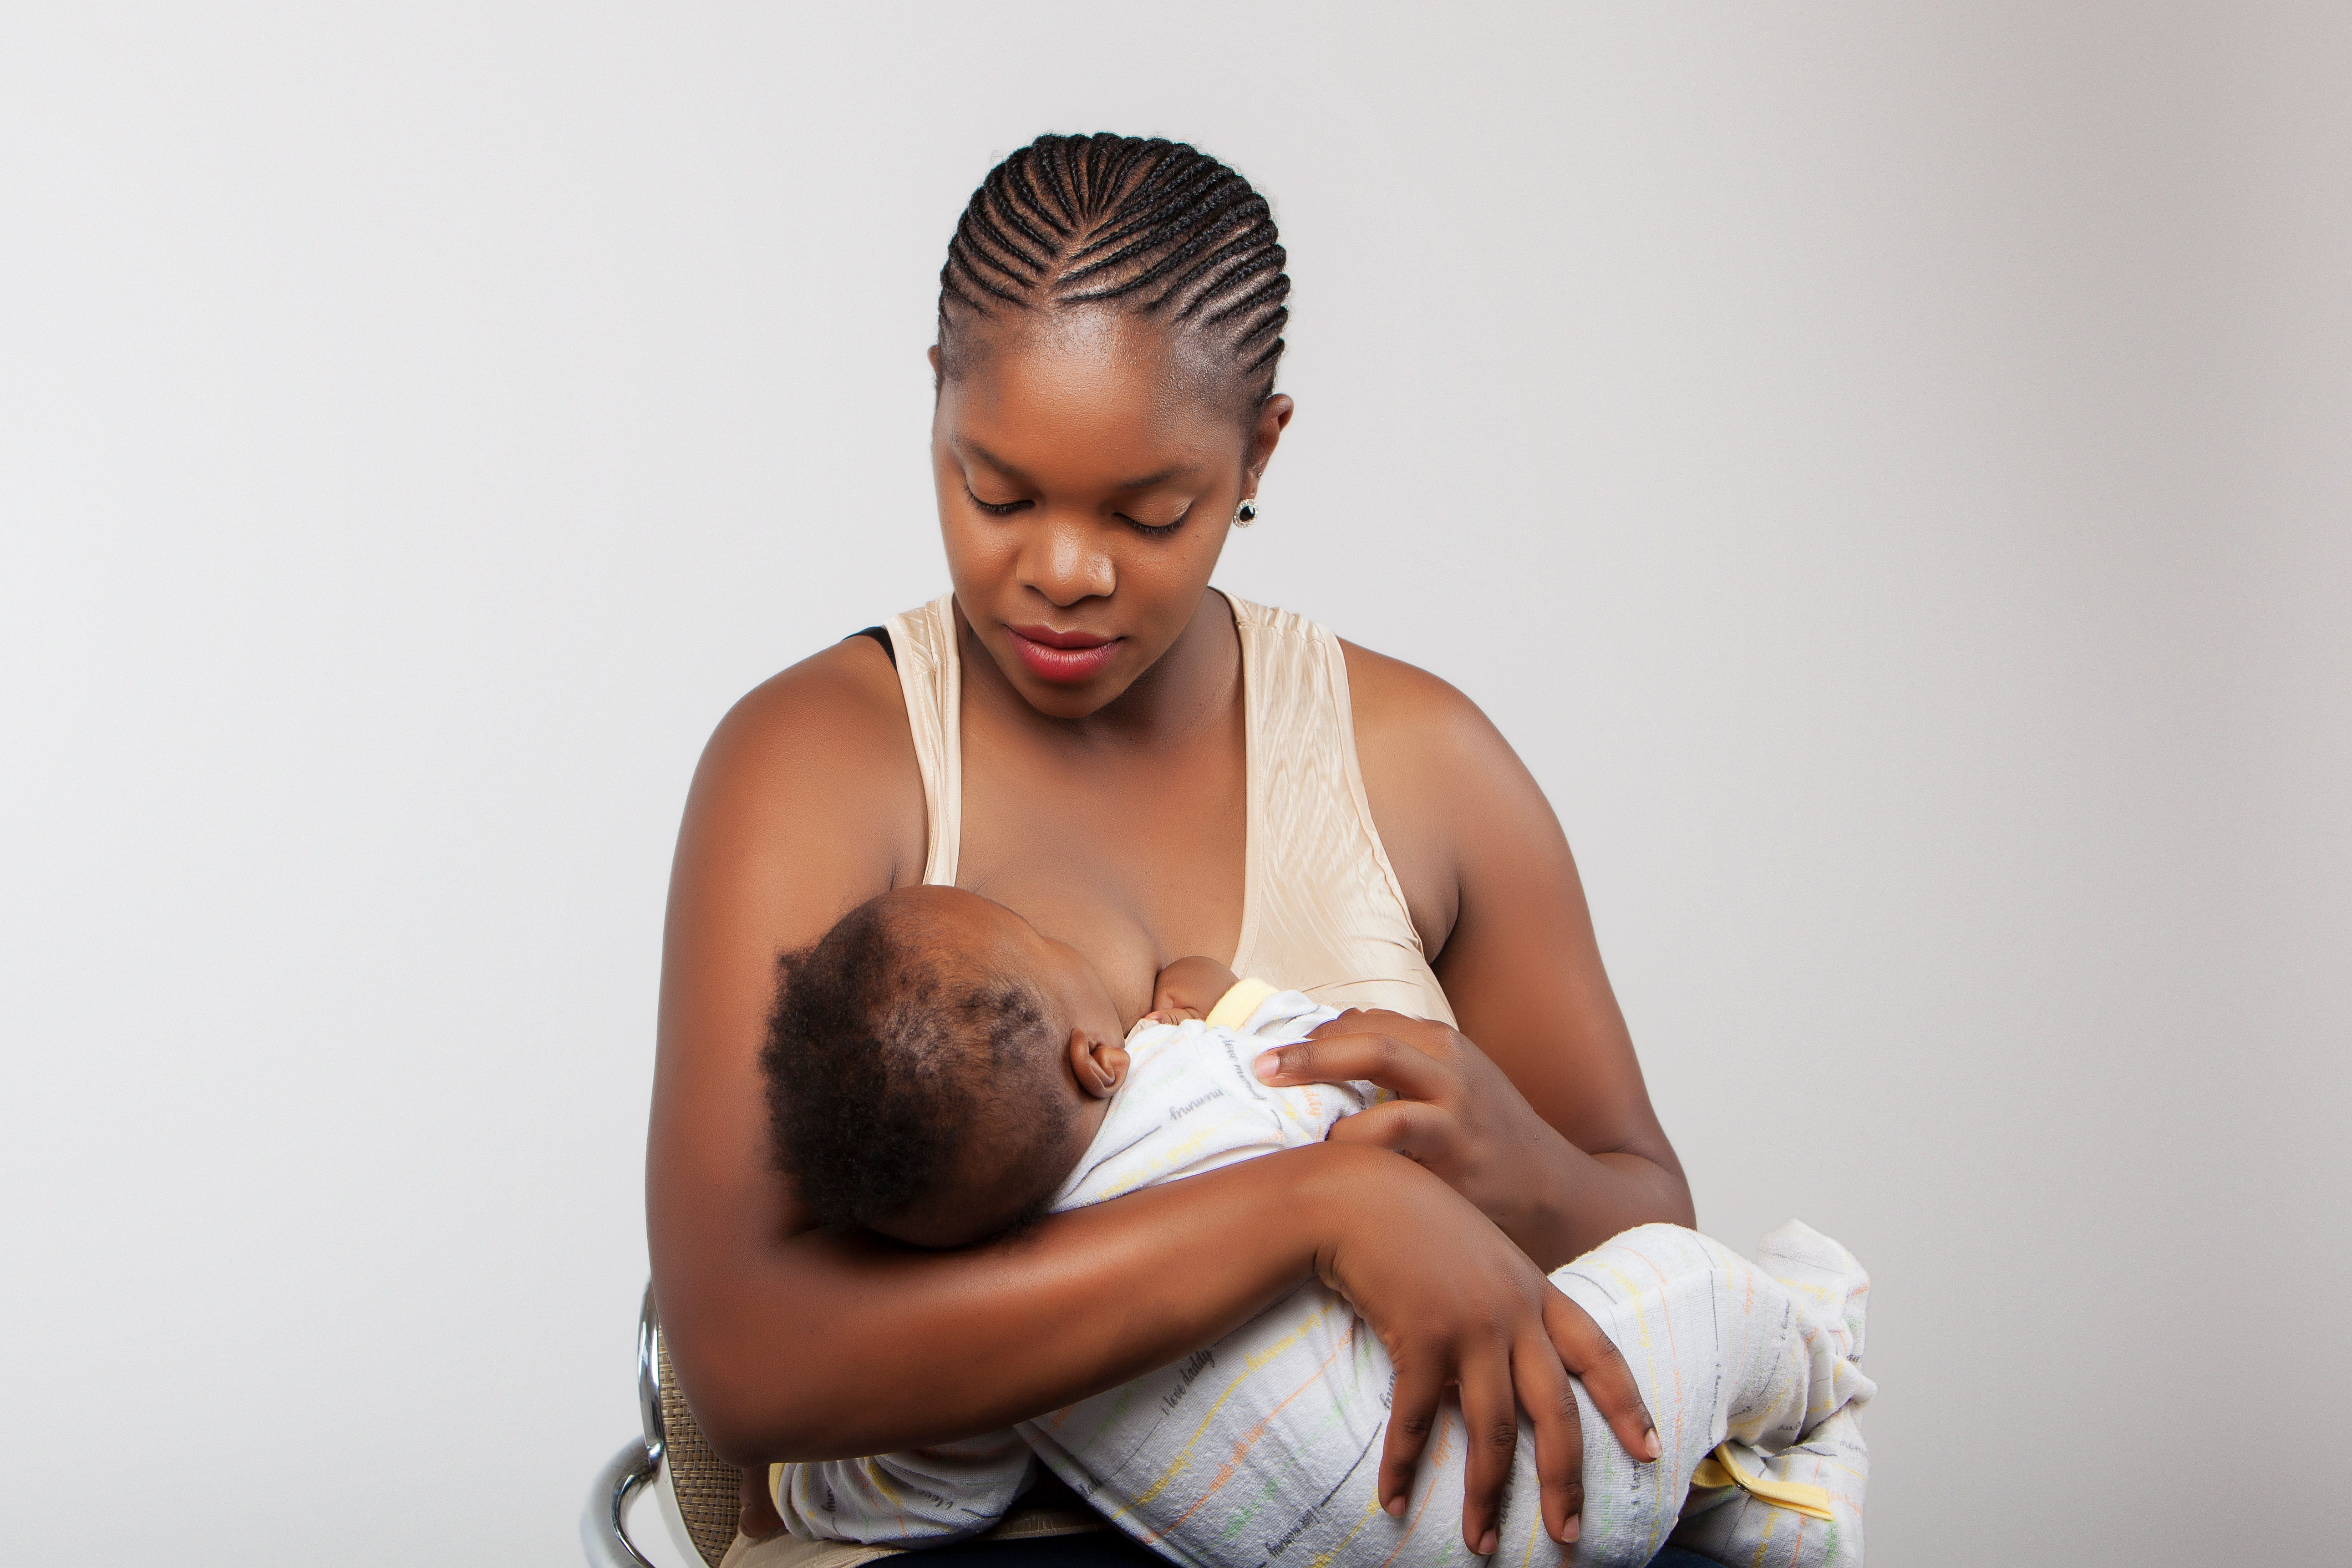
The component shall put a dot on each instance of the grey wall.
(1887, 471)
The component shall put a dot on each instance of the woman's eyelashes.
(1149, 529)
(995, 507)
(1161, 530)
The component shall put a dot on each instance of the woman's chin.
(1071, 700)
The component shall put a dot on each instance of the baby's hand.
(1188, 988)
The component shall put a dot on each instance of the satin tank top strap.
(1325, 912)
(930, 676)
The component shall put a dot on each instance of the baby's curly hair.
(891, 1061)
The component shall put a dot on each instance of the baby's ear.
(1099, 1067)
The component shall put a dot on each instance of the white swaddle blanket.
(1264, 1446)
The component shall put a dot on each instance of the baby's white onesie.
(1265, 1447)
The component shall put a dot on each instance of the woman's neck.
(1192, 687)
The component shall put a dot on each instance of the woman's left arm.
(1535, 1109)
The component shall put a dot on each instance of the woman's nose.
(1065, 562)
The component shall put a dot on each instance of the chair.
(700, 1495)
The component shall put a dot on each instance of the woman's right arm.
(793, 1344)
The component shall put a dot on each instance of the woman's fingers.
(1490, 1421)
(1379, 1059)
(1459, 1305)
(1548, 1397)
(1412, 1417)
(1413, 1128)
(1587, 1353)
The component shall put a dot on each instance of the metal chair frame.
(603, 1523)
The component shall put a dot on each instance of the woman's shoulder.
(1442, 783)
(820, 749)
(848, 686)
(1403, 707)
(1397, 699)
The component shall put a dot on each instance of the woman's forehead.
(1096, 391)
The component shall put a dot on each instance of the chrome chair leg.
(603, 1523)
(604, 1526)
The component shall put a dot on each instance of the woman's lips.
(1063, 658)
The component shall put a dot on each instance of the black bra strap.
(882, 635)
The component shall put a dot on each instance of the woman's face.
(1087, 470)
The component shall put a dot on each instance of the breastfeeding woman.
(1145, 767)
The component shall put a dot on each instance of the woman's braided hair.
(1155, 227)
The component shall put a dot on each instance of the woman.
(1090, 734)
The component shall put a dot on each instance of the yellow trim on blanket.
(1235, 1007)
(1721, 1468)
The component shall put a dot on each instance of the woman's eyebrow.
(1173, 471)
(967, 444)
(1161, 477)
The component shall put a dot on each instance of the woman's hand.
(1458, 1306)
(1457, 1115)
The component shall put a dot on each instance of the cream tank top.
(1322, 910)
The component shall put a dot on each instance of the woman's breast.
(1135, 866)
(1128, 930)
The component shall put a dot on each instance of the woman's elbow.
(750, 1418)
(1673, 1192)
(1656, 1177)
(1675, 1204)
(755, 1400)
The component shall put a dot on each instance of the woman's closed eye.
(996, 508)
(1151, 530)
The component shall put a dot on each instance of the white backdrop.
(1886, 473)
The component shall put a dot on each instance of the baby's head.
(936, 1065)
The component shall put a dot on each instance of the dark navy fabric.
(1096, 1549)
(1109, 1549)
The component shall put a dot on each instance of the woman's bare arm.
(1495, 892)
(793, 1344)
(830, 1344)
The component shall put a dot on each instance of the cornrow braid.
(1153, 226)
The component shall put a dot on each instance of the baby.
(941, 1072)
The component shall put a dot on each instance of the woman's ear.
(1265, 432)
(1099, 1067)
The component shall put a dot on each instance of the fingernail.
(1268, 1064)
(1575, 1528)
(1650, 1443)
(1395, 1506)
(1486, 1544)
